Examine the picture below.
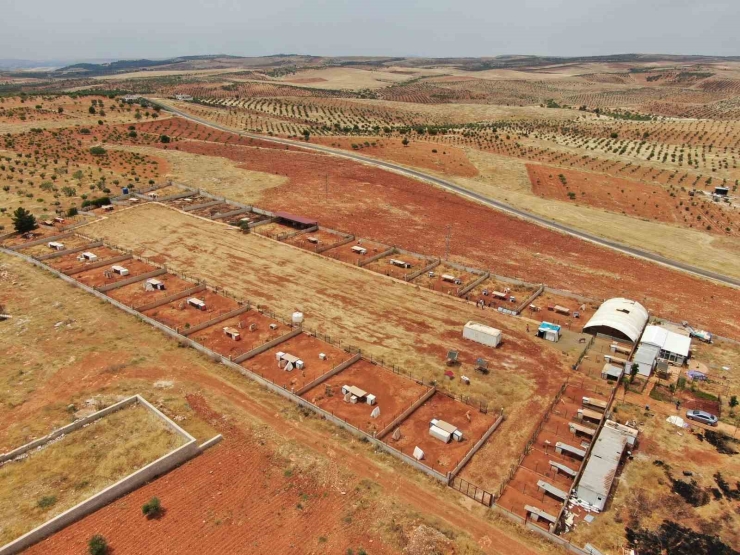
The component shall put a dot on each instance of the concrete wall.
(530, 299)
(417, 273)
(113, 492)
(171, 298)
(477, 446)
(335, 245)
(216, 320)
(57, 254)
(405, 414)
(40, 241)
(99, 264)
(366, 261)
(194, 207)
(465, 290)
(230, 213)
(333, 372)
(269, 345)
(129, 281)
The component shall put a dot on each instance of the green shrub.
(97, 151)
(152, 508)
(97, 545)
(47, 501)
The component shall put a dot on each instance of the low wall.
(468, 269)
(171, 298)
(530, 299)
(468, 288)
(129, 281)
(405, 414)
(335, 245)
(216, 320)
(413, 275)
(40, 241)
(98, 264)
(296, 233)
(201, 205)
(269, 345)
(557, 539)
(333, 372)
(127, 484)
(375, 257)
(230, 213)
(263, 222)
(65, 252)
(477, 446)
(174, 197)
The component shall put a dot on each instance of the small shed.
(549, 332)
(444, 431)
(356, 395)
(289, 362)
(561, 310)
(483, 334)
(312, 239)
(56, 246)
(612, 372)
(597, 404)
(89, 256)
(120, 270)
(197, 303)
(154, 284)
(359, 250)
(233, 333)
(399, 263)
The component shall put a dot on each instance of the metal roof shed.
(620, 318)
(601, 467)
(645, 358)
(294, 219)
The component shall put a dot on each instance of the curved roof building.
(620, 318)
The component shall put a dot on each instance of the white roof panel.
(623, 315)
(667, 340)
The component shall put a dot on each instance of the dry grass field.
(49, 481)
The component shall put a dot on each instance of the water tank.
(125, 191)
(297, 318)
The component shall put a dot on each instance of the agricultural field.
(636, 150)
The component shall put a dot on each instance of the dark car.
(701, 416)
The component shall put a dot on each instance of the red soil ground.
(521, 292)
(436, 283)
(175, 317)
(394, 209)
(305, 347)
(447, 159)
(325, 239)
(215, 339)
(43, 249)
(438, 455)
(70, 265)
(192, 200)
(38, 233)
(211, 211)
(96, 277)
(274, 230)
(235, 498)
(384, 267)
(135, 294)
(346, 254)
(393, 393)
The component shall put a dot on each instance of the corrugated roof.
(297, 219)
(646, 354)
(603, 462)
(667, 340)
(624, 315)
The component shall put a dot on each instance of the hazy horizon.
(82, 29)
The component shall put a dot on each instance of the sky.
(87, 29)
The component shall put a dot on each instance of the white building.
(673, 347)
(619, 318)
(480, 333)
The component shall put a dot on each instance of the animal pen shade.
(443, 457)
(105, 275)
(393, 395)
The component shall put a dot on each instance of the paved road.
(504, 207)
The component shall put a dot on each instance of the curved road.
(498, 205)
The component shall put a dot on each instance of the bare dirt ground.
(98, 277)
(408, 213)
(393, 393)
(315, 239)
(59, 365)
(70, 263)
(346, 254)
(135, 294)
(215, 339)
(181, 314)
(438, 455)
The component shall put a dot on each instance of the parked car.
(703, 417)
